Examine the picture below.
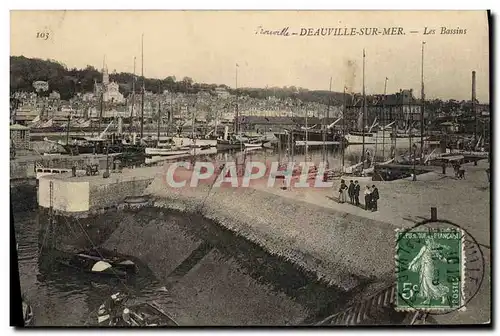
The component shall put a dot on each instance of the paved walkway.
(402, 203)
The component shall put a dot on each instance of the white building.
(54, 95)
(221, 92)
(110, 90)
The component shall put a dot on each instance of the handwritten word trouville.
(354, 31)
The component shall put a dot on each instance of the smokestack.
(473, 86)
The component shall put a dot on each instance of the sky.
(207, 45)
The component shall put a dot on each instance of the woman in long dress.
(424, 264)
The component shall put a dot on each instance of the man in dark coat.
(351, 192)
(357, 189)
(374, 198)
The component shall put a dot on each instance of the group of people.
(353, 190)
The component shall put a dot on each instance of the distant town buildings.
(41, 86)
(20, 136)
(54, 95)
(222, 93)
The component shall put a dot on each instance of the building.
(110, 90)
(401, 107)
(54, 95)
(222, 93)
(280, 123)
(20, 136)
(41, 86)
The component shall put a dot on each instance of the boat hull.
(314, 138)
(164, 151)
(373, 138)
(229, 145)
(253, 145)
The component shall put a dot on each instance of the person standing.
(357, 189)
(350, 191)
(342, 191)
(375, 197)
(368, 198)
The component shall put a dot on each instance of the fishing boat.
(379, 137)
(116, 312)
(94, 262)
(313, 135)
(80, 145)
(253, 145)
(228, 144)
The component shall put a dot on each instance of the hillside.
(24, 71)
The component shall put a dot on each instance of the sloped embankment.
(218, 278)
(341, 249)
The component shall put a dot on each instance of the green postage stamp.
(430, 269)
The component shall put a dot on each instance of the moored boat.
(228, 144)
(372, 138)
(117, 312)
(165, 151)
(94, 262)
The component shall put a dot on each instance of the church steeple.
(105, 75)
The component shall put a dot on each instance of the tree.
(187, 81)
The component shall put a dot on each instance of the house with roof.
(20, 136)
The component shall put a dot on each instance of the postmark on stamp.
(430, 265)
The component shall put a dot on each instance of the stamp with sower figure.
(439, 267)
(430, 269)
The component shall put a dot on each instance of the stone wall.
(109, 194)
(22, 170)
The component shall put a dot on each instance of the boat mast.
(364, 111)
(307, 151)
(159, 117)
(67, 131)
(237, 114)
(410, 122)
(100, 110)
(383, 121)
(422, 108)
(216, 122)
(474, 106)
(327, 117)
(142, 89)
(133, 101)
(343, 129)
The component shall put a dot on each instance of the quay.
(342, 245)
(83, 195)
(23, 167)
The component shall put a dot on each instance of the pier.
(82, 195)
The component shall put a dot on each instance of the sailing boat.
(163, 149)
